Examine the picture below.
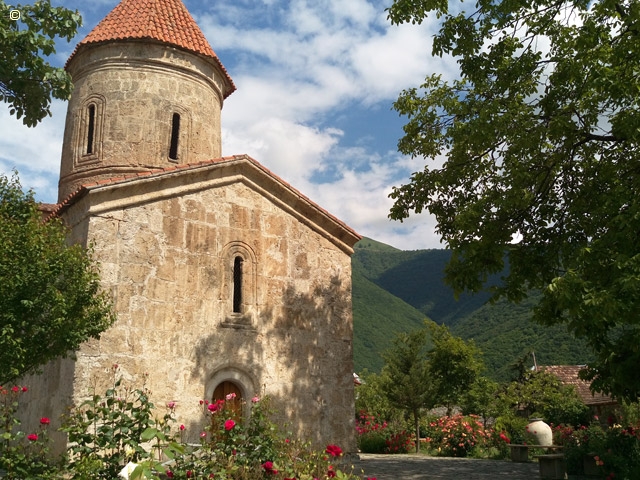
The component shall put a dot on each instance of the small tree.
(482, 399)
(27, 82)
(405, 376)
(454, 365)
(50, 297)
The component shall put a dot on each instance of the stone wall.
(167, 259)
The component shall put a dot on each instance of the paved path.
(415, 467)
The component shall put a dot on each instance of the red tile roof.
(568, 375)
(166, 21)
(157, 172)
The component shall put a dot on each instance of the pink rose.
(229, 424)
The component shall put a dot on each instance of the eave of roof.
(158, 173)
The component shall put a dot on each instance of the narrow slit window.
(175, 135)
(91, 128)
(237, 285)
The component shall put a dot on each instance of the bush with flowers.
(23, 454)
(371, 434)
(379, 436)
(612, 451)
(458, 436)
(122, 427)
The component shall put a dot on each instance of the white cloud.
(34, 152)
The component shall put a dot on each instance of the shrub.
(457, 436)
(514, 427)
(106, 431)
(615, 450)
(399, 442)
(23, 455)
(372, 442)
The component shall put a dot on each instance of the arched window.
(237, 285)
(238, 292)
(89, 131)
(91, 128)
(175, 136)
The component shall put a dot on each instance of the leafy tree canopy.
(535, 162)
(50, 297)
(454, 366)
(27, 34)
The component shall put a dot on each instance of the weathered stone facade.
(221, 273)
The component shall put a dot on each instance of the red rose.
(44, 421)
(32, 437)
(229, 424)
(334, 450)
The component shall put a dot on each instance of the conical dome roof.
(165, 21)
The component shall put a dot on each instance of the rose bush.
(458, 435)
(613, 450)
(23, 455)
(109, 431)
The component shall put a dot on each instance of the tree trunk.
(416, 420)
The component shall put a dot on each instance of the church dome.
(148, 93)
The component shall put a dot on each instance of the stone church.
(224, 277)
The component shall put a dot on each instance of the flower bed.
(461, 436)
(608, 452)
(122, 427)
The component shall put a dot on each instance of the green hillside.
(505, 333)
(394, 290)
(377, 317)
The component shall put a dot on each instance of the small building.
(600, 404)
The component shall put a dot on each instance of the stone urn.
(540, 431)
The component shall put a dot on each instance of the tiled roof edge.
(85, 188)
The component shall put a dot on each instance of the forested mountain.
(394, 290)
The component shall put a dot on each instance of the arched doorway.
(231, 393)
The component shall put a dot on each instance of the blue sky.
(315, 80)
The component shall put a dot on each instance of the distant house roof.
(568, 375)
(164, 21)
